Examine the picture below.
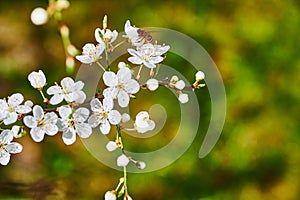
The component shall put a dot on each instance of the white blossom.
(143, 123)
(122, 160)
(8, 147)
(199, 76)
(91, 53)
(39, 16)
(41, 123)
(110, 195)
(28, 103)
(37, 79)
(183, 98)
(111, 146)
(120, 86)
(9, 110)
(69, 90)
(71, 123)
(140, 164)
(105, 35)
(133, 35)
(121, 65)
(148, 54)
(103, 114)
(152, 84)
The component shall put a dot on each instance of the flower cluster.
(64, 113)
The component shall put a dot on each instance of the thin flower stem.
(41, 91)
(125, 180)
(138, 75)
(119, 138)
(101, 66)
(107, 56)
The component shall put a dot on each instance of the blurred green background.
(255, 45)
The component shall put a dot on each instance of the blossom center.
(41, 123)
(103, 115)
(72, 123)
(11, 109)
(2, 146)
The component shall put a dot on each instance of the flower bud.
(122, 161)
(140, 164)
(110, 195)
(199, 76)
(39, 16)
(111, 146)
(183, 98)
(180, 84)
(152, 84)
(37, 79)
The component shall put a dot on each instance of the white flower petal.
(86, 59)
(51, 118)
(80, 97)
(79, 85)
(99, 50)
(16, 129)
(150, 65)
(135, 60)
(55, 89)
(11, 118)
(4, 158)
(132, 86)
(124, 75)
(15, 99)
(96, 105)
(123, 98)
(69, 136)
(56, 99)
(84, 130)
(110, 79)
(22, 109)
(62, 124)
(14, 147)
(94, 121)
(104, 127)
(64, 111)
(156, 60)
(81, 114)
(67, 83)
(6, 136)
(30, 121)
(37, 134)
(108, 104)
(122, 161)
(159, 50)
(98, 34)
(50, 129)
(114, 117)
(38, 112)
